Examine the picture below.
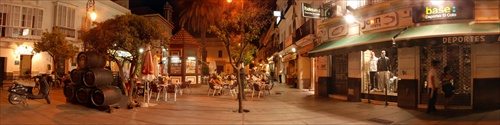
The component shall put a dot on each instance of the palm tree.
(198, 16)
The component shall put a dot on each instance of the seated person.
(216, 81)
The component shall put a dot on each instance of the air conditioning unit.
(333, 11)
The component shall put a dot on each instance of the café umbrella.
(147, 75)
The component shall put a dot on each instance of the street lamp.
(91, 4)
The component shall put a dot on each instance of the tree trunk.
(123, 87)
(203, 43)
(132, 85)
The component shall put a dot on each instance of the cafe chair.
(233, 88)
(268, 88)
(256, 87)
(154, 89)
(171, 89)
(214, 88)
(184, 86)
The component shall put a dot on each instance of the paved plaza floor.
(285, 106)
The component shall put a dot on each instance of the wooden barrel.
(77, 76)
(97, 77)
(69, 91)
(83, 94)
(106, 95)
(91, 59)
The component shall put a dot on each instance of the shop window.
(176, 65)
(190, 66)
(371, 80)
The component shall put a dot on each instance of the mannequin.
(373, 71)
(383, 68)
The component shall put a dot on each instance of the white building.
(23, 21)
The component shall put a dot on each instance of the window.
(65, 19)
(20, 21)
(220, 53)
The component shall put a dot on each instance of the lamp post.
(93, 16)
(91, 4)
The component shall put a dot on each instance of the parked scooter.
(22, 90)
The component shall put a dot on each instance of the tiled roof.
(183, 37)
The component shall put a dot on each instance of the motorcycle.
(23, 90)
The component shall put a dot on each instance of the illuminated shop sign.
(311, 11)
(470, 39)
(451, 40)
(448, 10)
(380, 21)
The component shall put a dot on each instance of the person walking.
(447, 85)
(433, 83)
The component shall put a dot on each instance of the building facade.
(404, 37)
(294, 35)
(22, 24)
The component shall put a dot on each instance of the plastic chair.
(185, 85)
(171, 88)
(213, 87)
(256, 87)
(233, 88)
(269, 88)
(155, 89)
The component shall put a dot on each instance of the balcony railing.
(19, 32)
(67, 31)
(304, 30)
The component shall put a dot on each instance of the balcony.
(67, 31)
(306, 30)
(20, 32)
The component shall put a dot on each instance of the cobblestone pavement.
(285, 106)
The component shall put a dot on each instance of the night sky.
(157, 5)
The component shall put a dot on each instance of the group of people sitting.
(257, 78)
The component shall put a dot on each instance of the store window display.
(379, 71)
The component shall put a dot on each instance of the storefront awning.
(449, 33)
(355, 43)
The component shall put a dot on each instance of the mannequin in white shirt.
(373, 71)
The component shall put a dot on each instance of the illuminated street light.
(141, 50)
(349, 18)
(437, 2)
(93, 15)
(91, 4)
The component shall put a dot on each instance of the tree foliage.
(126, 33)
(55, 44)
(236, 20)
(198, 16)
(237, 26)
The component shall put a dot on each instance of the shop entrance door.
(25, 67)
(60, 66)
(339, 66)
